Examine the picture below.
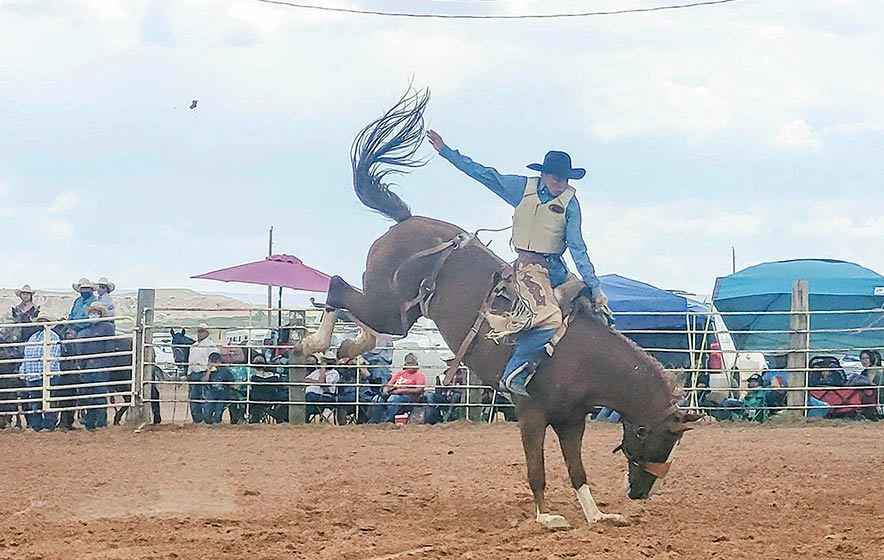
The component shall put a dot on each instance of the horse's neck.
(635, 385)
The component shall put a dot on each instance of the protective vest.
(540, 227)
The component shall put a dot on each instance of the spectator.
(105, 287)
(87, 295)
(442, 403)
(25, 311)
(755, 402)
(31, 372)
(95, 366)
(323, 394)
(380, 360)
(197, 369)
(217, 391)
(267, 389)
(406, 387)
(235, 358)
(371, 380)
(69, 377)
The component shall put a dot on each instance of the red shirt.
(407, 377)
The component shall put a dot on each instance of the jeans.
(608, 415)
(94, 417)
(528, 345)
(196, 394)
(35, 419)
(387, 412)
(215, 404)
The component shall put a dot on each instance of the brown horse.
(415, 269)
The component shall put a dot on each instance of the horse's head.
(180, 346)
(649, 450)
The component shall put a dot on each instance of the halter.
(657, 470)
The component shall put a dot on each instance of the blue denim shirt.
(78, 311)
(511, 188)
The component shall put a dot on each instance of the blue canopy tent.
(677, 322)
(832, 286)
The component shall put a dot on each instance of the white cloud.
(63, 202)
(797, 134)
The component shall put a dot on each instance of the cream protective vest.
(540, 227)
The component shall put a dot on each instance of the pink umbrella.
(285, 271)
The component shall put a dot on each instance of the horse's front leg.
(532, 424)
(571, 441)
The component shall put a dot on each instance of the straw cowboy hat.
(202, 327)
(83, 283)
(26, 289)
(95, 306)
(103, 281)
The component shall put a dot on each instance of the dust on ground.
(449, 491)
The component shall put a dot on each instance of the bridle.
(657, 470)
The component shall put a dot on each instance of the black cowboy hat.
(559, 164)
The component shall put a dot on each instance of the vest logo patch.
(556, 208)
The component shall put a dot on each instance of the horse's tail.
(387, 146)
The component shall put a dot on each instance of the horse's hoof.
(614, 519)
(553, 522)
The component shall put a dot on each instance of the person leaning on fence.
(218, 379)
(31, 372)
(197, 367)
(86, 289)
(405, 388)
(442, 403)
(94, 365)
(25, 311)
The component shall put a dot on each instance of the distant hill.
(58, 304)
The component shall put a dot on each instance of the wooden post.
(799, 343)
(297, 412)
(144, 317)
(473, 397)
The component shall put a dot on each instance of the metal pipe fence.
(67, 368)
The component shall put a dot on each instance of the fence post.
(144, 317)
(473, 397)
(297, 412)
(47, 370)
(799, 344)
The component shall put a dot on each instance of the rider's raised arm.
(511, 188)
(577, 246)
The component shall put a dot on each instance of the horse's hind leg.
(532, 424)
(571, 441)
(378, 311)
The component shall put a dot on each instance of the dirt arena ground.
(451, 491)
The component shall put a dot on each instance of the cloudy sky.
(756, 124)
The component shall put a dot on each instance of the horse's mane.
(648, 365)
(387, 146)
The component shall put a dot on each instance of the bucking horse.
(426, 267)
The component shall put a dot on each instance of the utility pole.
(733, 260)
(270, 288)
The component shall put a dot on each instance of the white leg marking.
(591, 510)
(551, 521)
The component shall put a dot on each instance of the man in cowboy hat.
(87, 296)
(105, 287)
(96, 365)
(547, 220)
(25, 310)
(197, 370)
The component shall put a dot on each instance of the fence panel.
(52, 372)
